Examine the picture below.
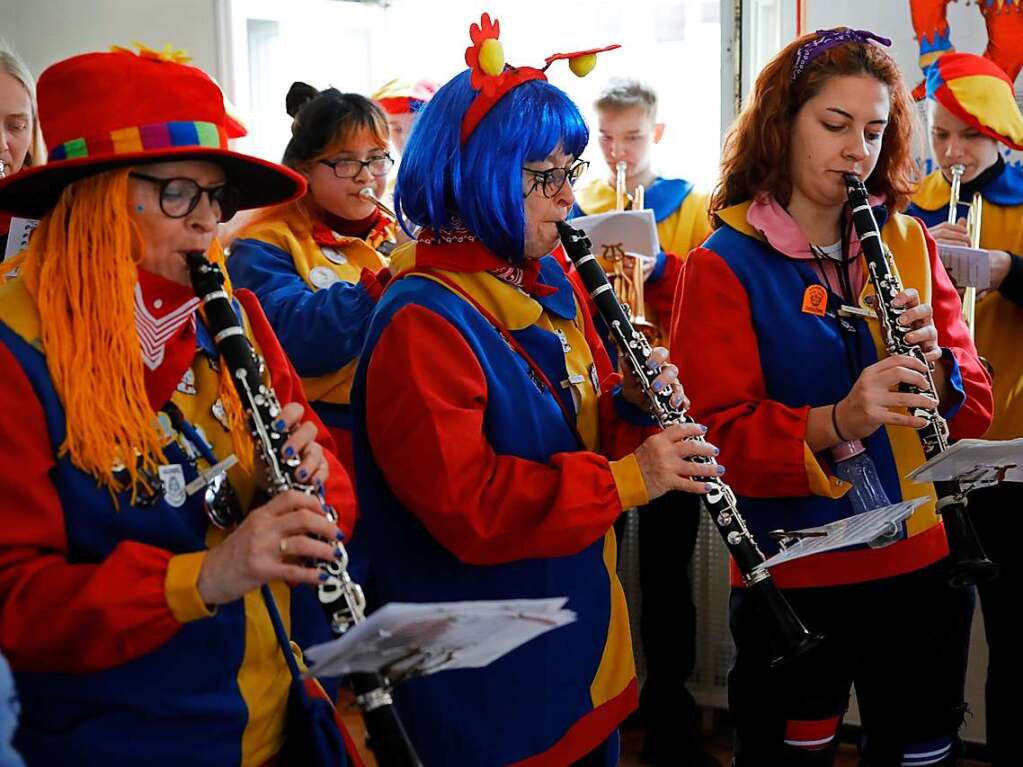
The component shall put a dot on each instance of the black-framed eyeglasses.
(180, 196)
(378, 166)
(551, 180)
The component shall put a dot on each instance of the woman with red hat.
(973, 118)
(134, 625)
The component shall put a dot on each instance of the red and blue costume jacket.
(116, 657)
(318, 290)
(682, 223)
(754, 362)
(999, 316)
(479, 477)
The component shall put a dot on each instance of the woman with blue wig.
(494, 443)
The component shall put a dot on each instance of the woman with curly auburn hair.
(794, 384)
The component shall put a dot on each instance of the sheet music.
(634, 231)
(404, 640)
(980, 461)
(968, 267)
(17, 237)
(851, 531)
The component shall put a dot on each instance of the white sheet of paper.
(851, 531)
(17, 237)
(972, 459)
(635, 231)
(968, 267)
(404, 640)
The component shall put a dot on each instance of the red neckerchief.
(326, 231)
(165, 323)
(458, 250)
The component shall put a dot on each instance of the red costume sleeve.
(761, 440)
(426, 397)
(54, 615)
(659, 294)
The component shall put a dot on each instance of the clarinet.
(792, 638)
(968, 563)
(341, 598)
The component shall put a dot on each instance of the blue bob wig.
(481, 183)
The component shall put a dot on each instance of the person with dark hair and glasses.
(137, 530)
(494, 443)
(313, 262)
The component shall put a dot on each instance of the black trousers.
(997, 513)
(668, 528)
(902, 642)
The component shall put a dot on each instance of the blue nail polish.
(708, 487)
(721, 470)
(280, 425)
(338, 554)
(289, 451)
(717, 451)
(302, 473)
(340, 535)
(324, 576)
(658, 385)
(703, 428)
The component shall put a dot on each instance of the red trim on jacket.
(580, 737)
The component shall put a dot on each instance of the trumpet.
(626, 272)
(973, 224)
(366, 193)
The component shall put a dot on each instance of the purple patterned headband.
(829, 38)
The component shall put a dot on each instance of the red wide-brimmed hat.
(100, 111)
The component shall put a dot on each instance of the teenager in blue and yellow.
(628, 131)
(793, 380)
(312, 263)
(973, 115)
(491, 442)
(135, 627)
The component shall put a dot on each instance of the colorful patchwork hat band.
(493, 78)
(398, 98)
(979, 93)
(826, 39)
(161, 109)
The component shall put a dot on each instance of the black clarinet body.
(968, 563)
(341, 598)
(791, 637)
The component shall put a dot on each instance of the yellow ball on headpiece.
(491, 57)
(583, 65)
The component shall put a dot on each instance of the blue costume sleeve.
(321, 331)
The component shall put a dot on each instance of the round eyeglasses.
(378, 166)
(180, 196)
(551, 181)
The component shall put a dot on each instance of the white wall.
(46, 31)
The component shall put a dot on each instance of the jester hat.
(979, 93)
(100, 111)
(493, 78)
